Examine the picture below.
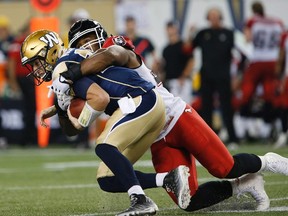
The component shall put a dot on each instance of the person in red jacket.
(19, 83)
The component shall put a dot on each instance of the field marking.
(49, 187)
(83, 164)
(272, 209)
(66, 165)
(7, 170)
(45, 152)
(72, 164)
(72, 186)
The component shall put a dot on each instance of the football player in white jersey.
(264, 32)
(185, 137)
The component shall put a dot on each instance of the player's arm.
(96, 101)
(103, 58)
(188, 69)
(280, 61)
(65, 124)
(247, 31)
(248, 34)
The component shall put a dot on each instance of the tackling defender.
(117, 146)
(185, 135)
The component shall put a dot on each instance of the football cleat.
(281, 141)
(176, 181)
(254, 185)
(275, 163)
(140, 205)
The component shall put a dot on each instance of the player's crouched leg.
(107, 181)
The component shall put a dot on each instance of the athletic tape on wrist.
(88, 115)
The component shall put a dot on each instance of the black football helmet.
(83, 27)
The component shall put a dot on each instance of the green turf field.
(61, 181)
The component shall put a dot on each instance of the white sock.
(135, 189)
(234, 183)
(160, 178)
(263, 163)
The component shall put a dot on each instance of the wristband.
(88, 115)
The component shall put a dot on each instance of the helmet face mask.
(41, 71)
(83, 28)
(40, 52)
(88, 41)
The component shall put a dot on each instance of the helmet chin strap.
(47, 77)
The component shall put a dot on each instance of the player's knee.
(104, 149)
(104, 184)
(219, 172)
(110, 184)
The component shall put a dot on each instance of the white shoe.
(281, 141)
(274, 163)
(176, 181)
(254, 185)
(140, 205)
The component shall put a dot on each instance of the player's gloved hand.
(63, 101)
(74, 121)
(73, 72)
(61, 85)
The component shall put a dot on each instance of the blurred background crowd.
(226, 58)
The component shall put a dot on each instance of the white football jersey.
(174, 106)
(266, 35)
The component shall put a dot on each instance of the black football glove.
(73, 72)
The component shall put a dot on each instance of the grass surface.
(61, 181)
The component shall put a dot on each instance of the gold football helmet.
(39, 53)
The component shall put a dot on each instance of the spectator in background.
(177, 64)
(6, 38)
(2, 73)
(18, 82)
(143, 45)
(216, 43)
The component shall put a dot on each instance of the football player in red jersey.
(281, 99)
(264, 32)
(185, 137)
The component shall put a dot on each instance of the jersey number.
(264, 40)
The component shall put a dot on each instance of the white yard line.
(51, 187)
(77, 164)
(272, 209)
